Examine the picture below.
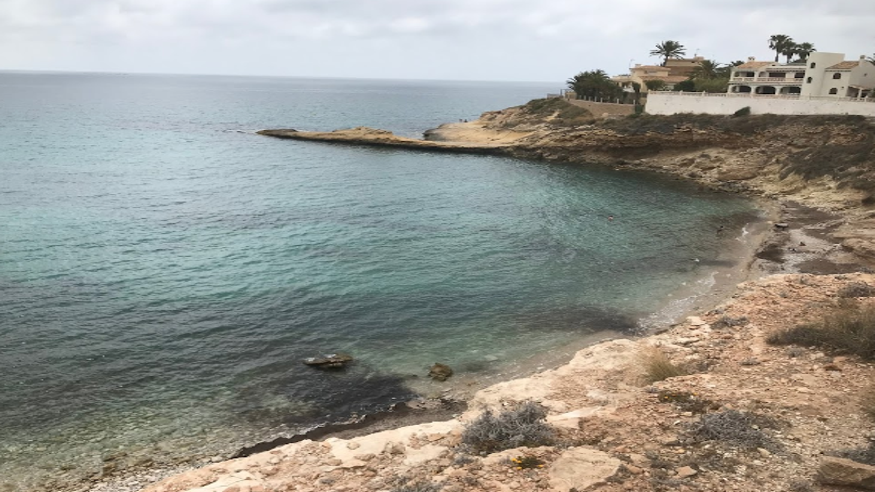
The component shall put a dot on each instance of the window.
(833, 92)
(809, 80)
(813, 65)
(799, 75)
(836, 76)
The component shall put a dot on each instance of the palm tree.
(780, 43)
(707, 69)
(669, 49)
(804, 50)
(790, 50)
(871, 60)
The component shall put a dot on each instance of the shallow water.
(164, 270)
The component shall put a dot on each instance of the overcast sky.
(525, 40)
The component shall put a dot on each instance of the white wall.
(672, 103)
(840, 85)
(863, 75)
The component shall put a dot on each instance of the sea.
(164, 270)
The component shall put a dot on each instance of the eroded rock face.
(840, 471)
(582, 468)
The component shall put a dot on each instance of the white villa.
(823, 84)
(823, 74)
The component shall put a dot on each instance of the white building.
(822, 75)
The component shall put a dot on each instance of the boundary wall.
(665, 103)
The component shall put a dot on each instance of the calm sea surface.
(163, 270)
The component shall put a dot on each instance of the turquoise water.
(164, 270)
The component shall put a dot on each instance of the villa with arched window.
(821, 75)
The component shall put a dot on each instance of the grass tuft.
(658, 367)
(523, 424)
(849, 329)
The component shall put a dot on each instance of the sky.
(501, 40)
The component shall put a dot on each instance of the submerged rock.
(329, 361)
(440, 372)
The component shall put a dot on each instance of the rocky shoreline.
(616, 431)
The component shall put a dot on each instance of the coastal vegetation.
(594, 85)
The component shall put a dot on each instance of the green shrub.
(658, 367)
(849, 329)
(745, 111)
(737, 429)
(523, 424)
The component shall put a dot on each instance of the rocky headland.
(704, 405)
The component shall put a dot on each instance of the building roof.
(670, 79)
(845, 65)
(754, 64)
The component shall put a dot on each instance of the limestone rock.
(685, 472)
(440, 372)
(737, 174)
(329, 361)
(841, 471)
(581, 468)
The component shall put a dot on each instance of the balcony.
(767, 80)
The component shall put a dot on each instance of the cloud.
(481, 39)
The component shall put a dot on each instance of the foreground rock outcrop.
(615, 431)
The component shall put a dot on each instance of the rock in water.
(440, 372)
(329, 361)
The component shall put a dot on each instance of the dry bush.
(523, 424)
(658, 367)
(737, 429)
(406, 485)
(848, 329)
(865, 455)
(857, 289)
